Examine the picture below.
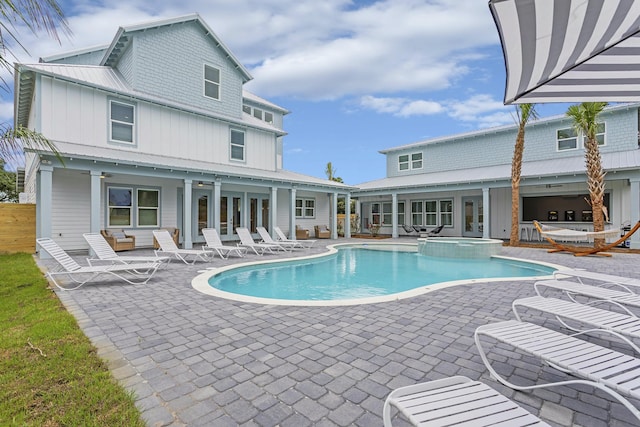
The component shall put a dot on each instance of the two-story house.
(156, 130)
(464, 181)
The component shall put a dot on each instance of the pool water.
(360, 272)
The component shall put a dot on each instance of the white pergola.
(569, 50)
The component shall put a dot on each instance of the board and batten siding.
(71, 209)
(80, 115)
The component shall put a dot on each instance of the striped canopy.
(569, 50)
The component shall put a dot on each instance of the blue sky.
(357, 76)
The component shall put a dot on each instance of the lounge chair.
(623, 326)
(214, 243)
(286, 245)
(553, 234)
(615, 373)
(600, 294)
(626, 283)
(104, 252)
(283, 238)
(259, 248)
(425, 233)
(322, 231)
(456, 401)
(139, 273)
(169, 247)
(408, 229)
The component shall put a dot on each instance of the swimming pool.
(356, 274)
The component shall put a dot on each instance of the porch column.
(216, 203)
(334, 215)
(635, 211)
(486, 233)
(273, 210)
(292, 213)
(45, 203)
(358, 214)
(394, 215)
(186, 218)
(94, 216)
(347, 217)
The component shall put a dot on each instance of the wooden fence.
(17, 228)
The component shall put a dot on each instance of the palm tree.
(524, 113)
(585, 122)
(331, 173)
(35, 15)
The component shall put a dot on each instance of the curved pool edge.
(201, 281)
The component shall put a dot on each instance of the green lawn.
(50, 374)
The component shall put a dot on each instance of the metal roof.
(121, 156)
(566, 166)
(109, 80)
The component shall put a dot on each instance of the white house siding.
(169, 62)
(70, 211)
(159, 130)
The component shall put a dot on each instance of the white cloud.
(402, 107)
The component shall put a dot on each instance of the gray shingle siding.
(169, 62)
(125, 65)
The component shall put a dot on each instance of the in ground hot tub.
(459, 247)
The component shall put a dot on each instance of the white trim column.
(216, 203)
(486, 217)
(273, 210)
(292, 212)
(94, 216)
(186, 217)
(45, 203)
(394, 215)
(334, 215)
(634, 211)
(347, 216)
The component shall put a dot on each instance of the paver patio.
(197, 360)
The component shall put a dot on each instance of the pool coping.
(201, 281)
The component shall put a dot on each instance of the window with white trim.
(568, 139)
(122, 122)
(446, 213)
(237, 144)
(258, 113)
(432, 212)
(148, 207)
(120, 206)
(400, 213)
(211, 82)
(410, 161)
(376, 217)
(305, 208)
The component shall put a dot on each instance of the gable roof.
(125, 33)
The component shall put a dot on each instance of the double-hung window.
(120, 200)
(416, 161)
(446, 212)
(211, 82)
(237, 145)
(400, 213)
(122, 122)
(431, 212)
(410, 161)
(148, 207)
(129, 206)
(569, 139)
(305, 208)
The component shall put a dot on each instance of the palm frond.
(14, 140)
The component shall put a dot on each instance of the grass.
(50, 374)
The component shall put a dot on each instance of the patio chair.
(281, 237)
(119, 240)
(104, 252)
(456, 401)
(322, 231)
(266, 238)
(259, 248)
(626, 283)
(408, 229)
(138, 273)
(214, 243)
(301, 233)
(623, 326)
(600, 294)
(168, 246)
(615, 373)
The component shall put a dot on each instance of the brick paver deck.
(198, 360)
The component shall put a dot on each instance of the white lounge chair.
(266, 238)
(169, 247)
(624, 326)
(598, 293)
(104, 252)
(456, 401)
(615, 373)
(139, 273)
(259, 248)
(214, 243)
(627, 283)
(281, 237)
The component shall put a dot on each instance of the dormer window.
(258, 113)
(569, 139)
(211, 82)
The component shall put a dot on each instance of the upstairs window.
(258, 113)
(211, 82)
(122, 123)
(410, 161)
(268, 117)
(569, 139)
(237, 145)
